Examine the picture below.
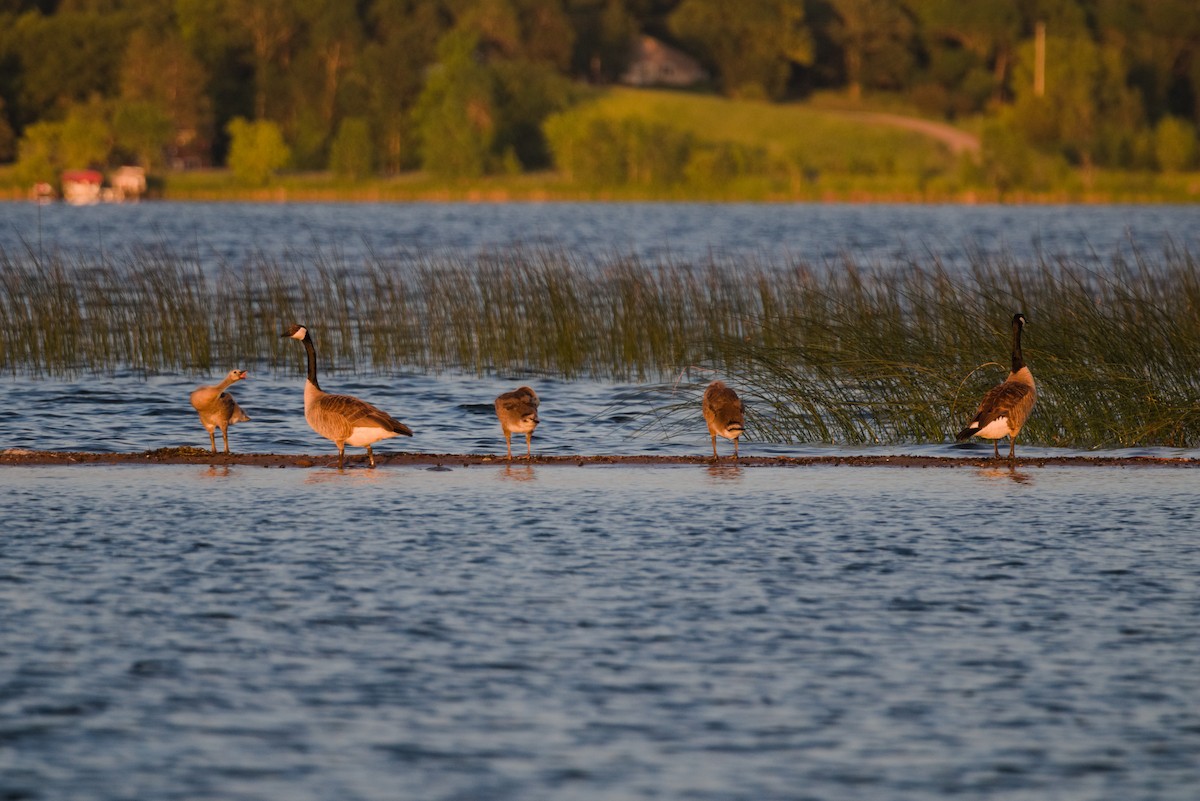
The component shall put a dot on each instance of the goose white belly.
(362, 436)
(997, 429)
(522, 427)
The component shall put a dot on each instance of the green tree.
(604, 35)
(86, 139)
(404, 41)
(8, 139)
(989, 30)
(38, 153)
(752, 44)
(144, 131)
(456, 112)
(1007, 161)
(526, 94)
(875, 39)
(321, 66)
(66, 58)
(1087, 112)
(160, 71)
(1175, 144)
(256, 150)
(271, 27)
(1161, 42)
(352, 154)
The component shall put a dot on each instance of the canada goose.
(724, 415)
(342, 418)
(1006, 406)
(218, 409)
(518, 411)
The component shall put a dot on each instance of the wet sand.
(187, 455)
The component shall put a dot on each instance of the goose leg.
(370, 457)
(995, 449)
(212, 441)
(1012, 448)
(714, 439)
(341, 454)
(735, 449)
(529, 446)
(508, 443)
(224, 436)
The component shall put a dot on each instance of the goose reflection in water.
(343, 477)
(217, 471)
(523, 473)
(724, 472)
(1011, 473)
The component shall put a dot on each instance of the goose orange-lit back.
(1005, 408)
(724, 415)
(518, 412)
(342, 418)
(218, 409)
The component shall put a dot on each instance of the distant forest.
(465, 87)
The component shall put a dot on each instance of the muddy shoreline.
(196, 456)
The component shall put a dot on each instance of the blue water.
(216, 233)
(560, 632)
(599, 633)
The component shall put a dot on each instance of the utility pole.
(1039, 60)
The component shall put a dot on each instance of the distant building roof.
(83, 177)
(656, 63)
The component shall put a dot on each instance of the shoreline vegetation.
(841, 353)
(219, 185)
(624, 145)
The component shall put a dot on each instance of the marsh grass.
(839, 352)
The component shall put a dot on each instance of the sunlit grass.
(828, 140)
(840, 352)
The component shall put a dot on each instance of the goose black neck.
(312, 360)
(1018, 360)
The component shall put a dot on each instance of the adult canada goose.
(218, 409)
(1006, 406)
(518, 411)
(342, 418)
(724, 415)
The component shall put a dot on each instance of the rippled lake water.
(228, 232)
(554, 632)
(599, 633)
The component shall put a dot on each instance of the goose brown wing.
(236, 415)
(518, 406)
(360, 413)
(1010, 399)
(723, 406)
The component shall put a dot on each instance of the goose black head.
(296, 332)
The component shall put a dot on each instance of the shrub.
(256, 150)
(352, 154)
(1175, 144)
(596, 151)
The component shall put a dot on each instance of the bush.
(352, 154)
(596, 151)
(256, 150)
(1175, 144)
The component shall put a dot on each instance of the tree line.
(464, 87)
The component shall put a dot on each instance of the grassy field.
(814, 151)
(840, 353)
(826, 138)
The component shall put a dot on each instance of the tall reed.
(838, 352)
